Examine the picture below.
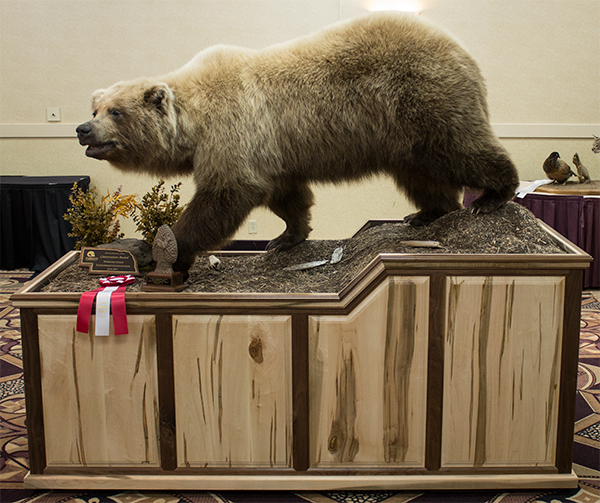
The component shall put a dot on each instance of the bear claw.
(284, 242)
(485, 204)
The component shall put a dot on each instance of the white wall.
(540, 58)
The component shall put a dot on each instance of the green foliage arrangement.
(96, 221)
(157, 208)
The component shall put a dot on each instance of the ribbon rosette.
(111, 293)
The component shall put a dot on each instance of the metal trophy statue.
(164, 253)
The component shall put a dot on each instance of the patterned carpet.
(14, 456)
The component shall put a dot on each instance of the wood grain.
(233, 391)
(502, 370)
(100, 394)
(306, 482)
(368, 380)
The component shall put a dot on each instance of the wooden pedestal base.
(436, 371)
(158, 282)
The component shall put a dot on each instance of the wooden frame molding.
(435, 372)
(33, 391)
(300, 405)
(304, 482)
(166, 391)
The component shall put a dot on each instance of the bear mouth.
(100, 151)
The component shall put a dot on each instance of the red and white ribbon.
(117, 280)
(111, 295)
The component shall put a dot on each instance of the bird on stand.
(556, 169)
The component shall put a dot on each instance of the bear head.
(134, 126)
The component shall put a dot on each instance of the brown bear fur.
(385, 93)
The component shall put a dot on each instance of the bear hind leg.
(433, 201)
(499, 183)
(292, 205)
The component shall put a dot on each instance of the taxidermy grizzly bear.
(386, 93)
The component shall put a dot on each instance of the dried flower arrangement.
(95, 221)
(156, 209)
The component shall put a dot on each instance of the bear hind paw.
(285, 242)
(487, 202)
(421, 218)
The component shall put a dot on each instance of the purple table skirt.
(575, 217)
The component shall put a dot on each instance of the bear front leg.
(209, 220)
(292, 204)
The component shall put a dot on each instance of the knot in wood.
(256, 350)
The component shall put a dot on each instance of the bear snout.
(83, 132)
(96, 147)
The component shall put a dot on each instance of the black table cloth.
(33, 232)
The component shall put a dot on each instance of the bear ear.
(96, 96)
(158, 96)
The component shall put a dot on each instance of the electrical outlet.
(252, 227)
(53, 114)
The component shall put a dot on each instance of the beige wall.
(541, 60)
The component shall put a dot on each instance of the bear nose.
(83, 129)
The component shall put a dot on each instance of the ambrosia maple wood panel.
(368, 379)
(100, 394)
(502, 351)
(233, 390)
(439, 371)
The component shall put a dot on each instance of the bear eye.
(116, 113)
(94, 113)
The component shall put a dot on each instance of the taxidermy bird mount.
(556, 169)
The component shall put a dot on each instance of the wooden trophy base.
(161, 282)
